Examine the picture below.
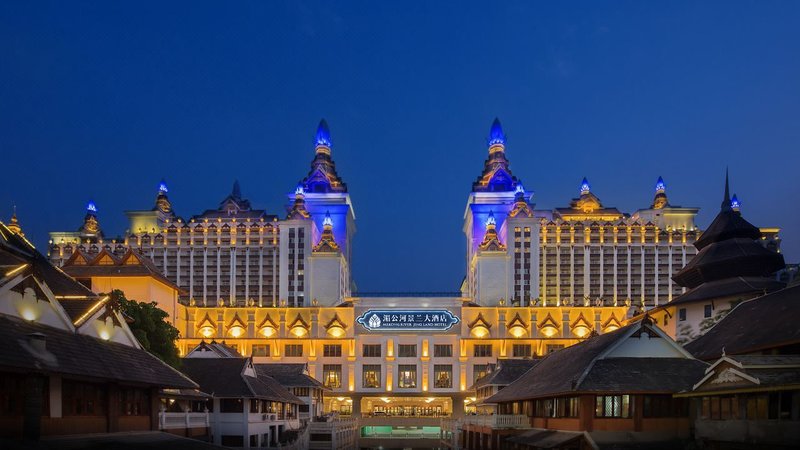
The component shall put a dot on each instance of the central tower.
(502, 233)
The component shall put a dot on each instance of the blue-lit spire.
(162, 187)
(327, 222)
(323, 137)
(299, 191)
(91, 207)
(585, 188)
(496, 135)
(519, 189)
(490, 221)
(735, 205)
(660, 186)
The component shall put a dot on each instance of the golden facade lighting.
(581, 327)
(479, 328)
(548, 327)
(267, 327)
(336, 328)
(517, 327)
(299, 327)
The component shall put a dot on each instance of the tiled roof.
(289, 375)
(728, 224)
(506, 372)
(744, 287)
(224, 377)
(579, 368)
(729, 258)
(121, 268)
(761, 324)
(643, 375)
(69, 353)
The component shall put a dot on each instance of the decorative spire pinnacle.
(660, 200)
(520, 204)
(327, 243)
(497, 139)
(162, 202)
(726, 200)
(491, 241)
(236, 192)
(322, 140)
(735, 205)
(585, 188)
(90, 223)
(13, 224)
(660, 186)
(298, 210)
(327, 222)
(490, 221)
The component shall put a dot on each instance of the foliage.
(151, 327)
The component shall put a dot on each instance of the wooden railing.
(497, 421)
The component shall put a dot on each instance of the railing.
(297, 442)
(496, 421)
(450, 425)
(407, 294)
(177, 420)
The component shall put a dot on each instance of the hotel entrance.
(406, 407)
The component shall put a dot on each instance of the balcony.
(182, 420)
(499, 421)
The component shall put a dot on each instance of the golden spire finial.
(13, 224)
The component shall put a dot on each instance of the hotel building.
(279, 288)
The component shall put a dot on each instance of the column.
(205, 276)
(232, 276)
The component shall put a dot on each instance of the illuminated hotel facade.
(279, 288)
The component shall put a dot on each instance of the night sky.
(100, 101)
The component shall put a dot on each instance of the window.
(332, 375)
(231, 405)
(482, 350)
(332, 350)
(442, 350)
(301, 391)
(372, 350)
(293, 349)
(521, 350)
(707, 310)
(407, 376)
(613, 406)
(134, 402)
(442, 375)
(260, 350)
(721, 408)
(407, 350)
(556, 407)
(83, 399)
(479, 371)
(371, 375)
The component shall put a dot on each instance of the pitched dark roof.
(728, 224)
(14, 247)
(744, 287)
(224, 377)
(643, 375)
(732, 257)
(578, 369)
(506, 372)
(217, 348)
(70, 353)
(77, 308)
(289, 375)
(763, 323)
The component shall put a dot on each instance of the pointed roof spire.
(322, 140)
(91, 208)
(585, 187)
(90, 223)
(491, 241)
(660, 200)
(327, 243)
(162, 202)
(237, 191)
(497, 139)
(162, 187)
(726, 201)
(13, 224)
(299, 210)
(735, 204)
(660, 186)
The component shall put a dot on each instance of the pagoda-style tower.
(731, 266)
(155, 219)
(502, 233)
(325, 206)
(13, 224)
(327, 269)
(665, 215)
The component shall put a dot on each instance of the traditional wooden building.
(611, 389)
(69, 363)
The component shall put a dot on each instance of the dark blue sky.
(103, 100)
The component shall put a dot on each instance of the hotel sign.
(407, 320)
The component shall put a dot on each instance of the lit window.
(332, 375)
(443, 376)
(371, 376)
(613, 406)
(407, 376)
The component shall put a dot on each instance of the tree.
(148, 323)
